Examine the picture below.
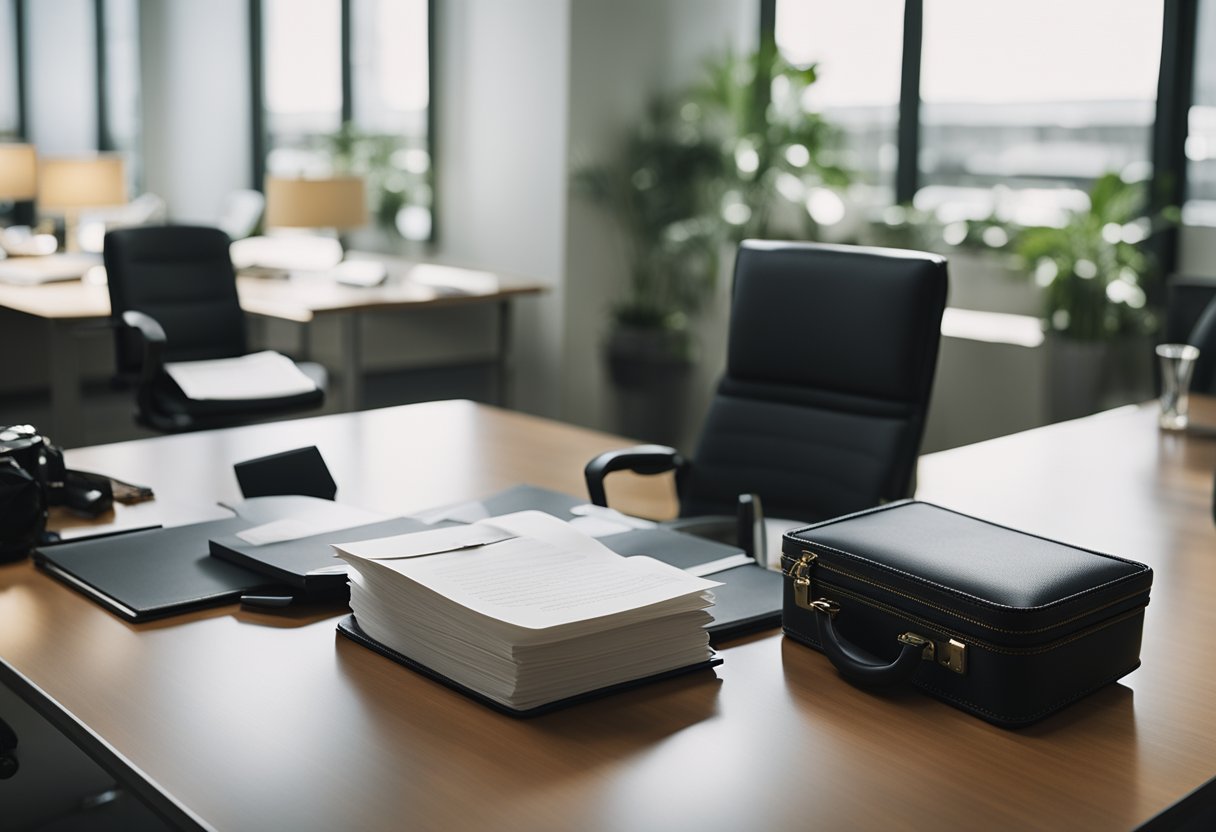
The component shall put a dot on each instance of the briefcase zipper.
(804, 594)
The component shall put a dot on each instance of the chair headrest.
(847, 319)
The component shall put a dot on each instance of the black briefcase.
(1006, 625)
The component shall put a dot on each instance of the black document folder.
(748, 600)
(154, 573)
(306, 564)
(349, 627)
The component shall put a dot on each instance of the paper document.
(259, 375)
(33, 271)
(467, 512)
(293, 528)
(420, 544)
(713, 567)
(612, 516)
(599, 527)
(548, 575)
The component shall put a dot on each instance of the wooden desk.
(243, 720)
(67, 307)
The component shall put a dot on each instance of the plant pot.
(651, 372)
(1088, 376)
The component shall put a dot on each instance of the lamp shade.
(338, 202)
(81, 183)
(18, 171)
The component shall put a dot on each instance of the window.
(1021, 124)
(858, 47)
(356, 107)
(1200, 207)
(303, 95)
(391, 89)
(119, 124)
(10, 109)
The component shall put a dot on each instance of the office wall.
(1197, 251)
(621, 53)
(61, 68)
(196, 103)
(501, 80)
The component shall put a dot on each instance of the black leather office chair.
(173, 298)
(830, 363)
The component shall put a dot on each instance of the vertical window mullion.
(257, 95)
(23, 125)
(907, 170)
(1175, 86)
(348, 96)
(105, 141)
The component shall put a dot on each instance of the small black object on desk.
(301, 471)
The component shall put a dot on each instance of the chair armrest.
(747, 529)
(153, 336)
(640, 459)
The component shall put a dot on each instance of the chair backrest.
(1190, 318)
(183, 277)
(830, 363)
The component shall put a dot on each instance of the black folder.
(748, 600)
(153, 573)
(349, 627)
(306, 564)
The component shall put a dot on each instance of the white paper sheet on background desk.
(258, 375)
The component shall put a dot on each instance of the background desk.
(242, 720)
(69, 307)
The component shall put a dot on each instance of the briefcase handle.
(861, 667)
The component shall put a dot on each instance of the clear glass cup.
(1177, 364)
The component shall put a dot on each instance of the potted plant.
(735, 156)
(397, 176)
(1097, 280)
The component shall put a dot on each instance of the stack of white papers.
(526, 610)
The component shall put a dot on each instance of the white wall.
(1197, 251)
(501, 80)
(61, 68)
(197, 134)
(622, 53)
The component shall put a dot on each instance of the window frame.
(1175, 83)
(257, 75)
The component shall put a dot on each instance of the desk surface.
(298, 298)
(258, 721)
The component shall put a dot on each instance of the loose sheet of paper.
(258, 375)
(419, 544)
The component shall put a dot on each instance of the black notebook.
(748, 600)
(154, 573)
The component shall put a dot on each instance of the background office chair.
(1190, 318)
(173, 298)
(830, 363)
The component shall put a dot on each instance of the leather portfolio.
(1003, 624)
(153, 573)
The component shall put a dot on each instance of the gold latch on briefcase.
(949, 653)
(802, 579)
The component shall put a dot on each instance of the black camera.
(32, 479)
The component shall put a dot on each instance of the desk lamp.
(68, 185)
(333, 204)
(18, 172)
(18, 177)
(336, 203)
